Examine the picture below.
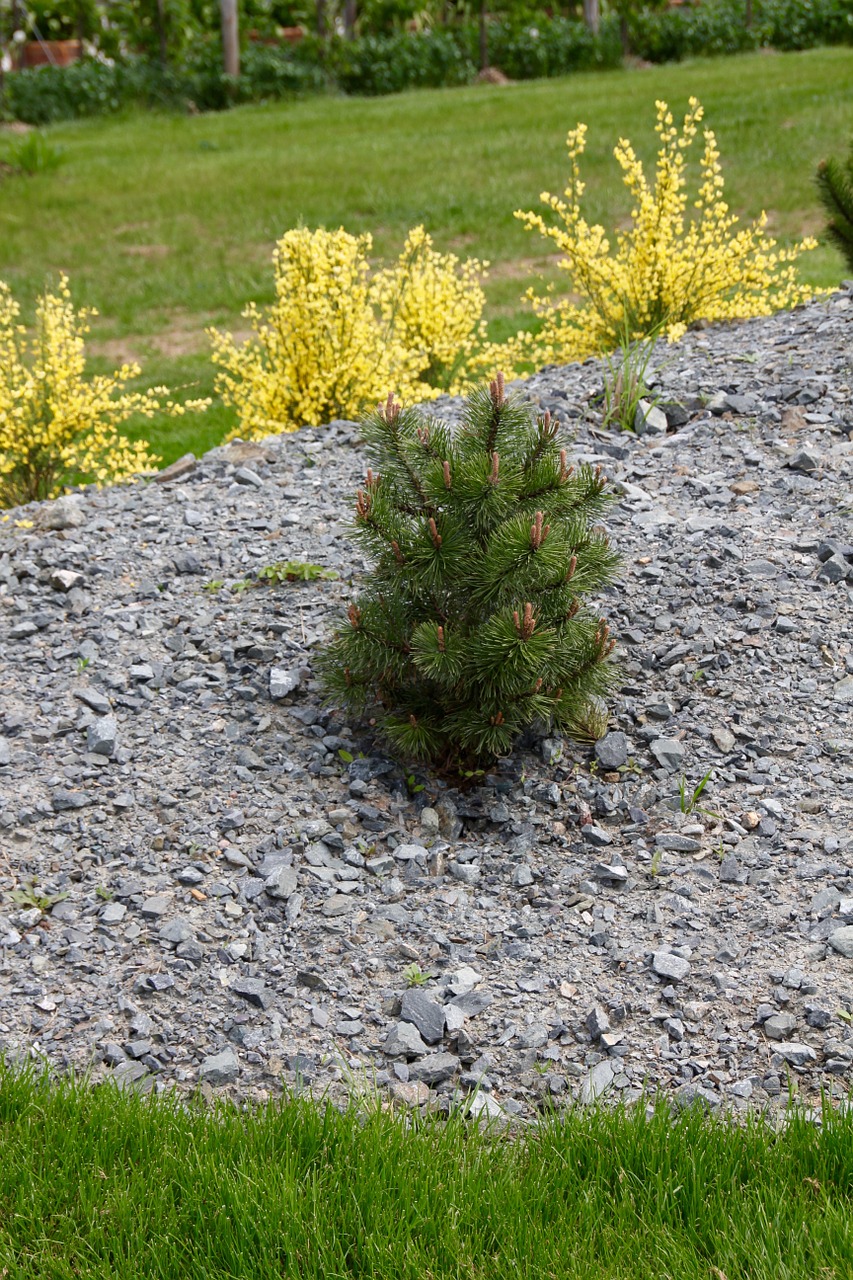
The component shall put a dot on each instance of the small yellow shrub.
(338, 336)
(56, 426)
(670, 268)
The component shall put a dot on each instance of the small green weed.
(412, 785)
(414, 976)
(29, 896)
(215, 584)
(103, 893)
(294, 571)
(35, 154)
(625, 381)
(688, 802)
(82, 664)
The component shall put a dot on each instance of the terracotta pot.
(288, 35)
(58, 53)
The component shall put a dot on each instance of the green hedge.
(719, 27)
(91, 87)
(378, 64)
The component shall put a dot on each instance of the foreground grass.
(94, 1183)
(166, 223)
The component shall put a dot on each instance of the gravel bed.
(208, 880)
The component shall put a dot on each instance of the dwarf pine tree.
(835, 188)
(471, 624)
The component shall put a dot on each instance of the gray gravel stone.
(404, 1041)
(668, 752)
(435, 1068)
(281, 883)
(426, 1014)
(796, 1054)
(841, 940)
(611, 751)
(667, 965)
(101, 736)
(220, 1068)
(780, 1026)
(283, 682)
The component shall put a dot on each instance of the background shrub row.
(382, 64)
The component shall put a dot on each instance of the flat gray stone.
(596, 836)
(674, 842)
(780, 1026)
(426, 1014)
(339, 904)
(798, 1055)
(281, 883)
(220, 1068)
(156, 906)
(175, 931)
(101, 736)
(434, 1068)
(669, 753)
(611, 751)
(64, 513)
(66, 580)
(842, 691)
(283, 682)
(94, 700)
(597, 1082)
(404, 1041)
(254, 991)
(695, 1095)
(842, 941)
(666, 965)
(597, 1022)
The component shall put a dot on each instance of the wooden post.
(230, 39)
(590, 15)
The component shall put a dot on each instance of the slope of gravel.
(197, 886)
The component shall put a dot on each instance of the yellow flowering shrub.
(339, 335)
(56, 426)
(433, 305)
(670, 268)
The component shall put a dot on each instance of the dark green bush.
(553, 47)
(91, 87)
(718, 28)
(407, 60)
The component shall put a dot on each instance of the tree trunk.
(590, 15)
(349, 19)
(321, 18)
(161, 32)
(749, 13)
(623, 34)
(484, 36)
(230, 39)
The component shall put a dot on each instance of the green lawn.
(166, 223)
(105, 1186)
